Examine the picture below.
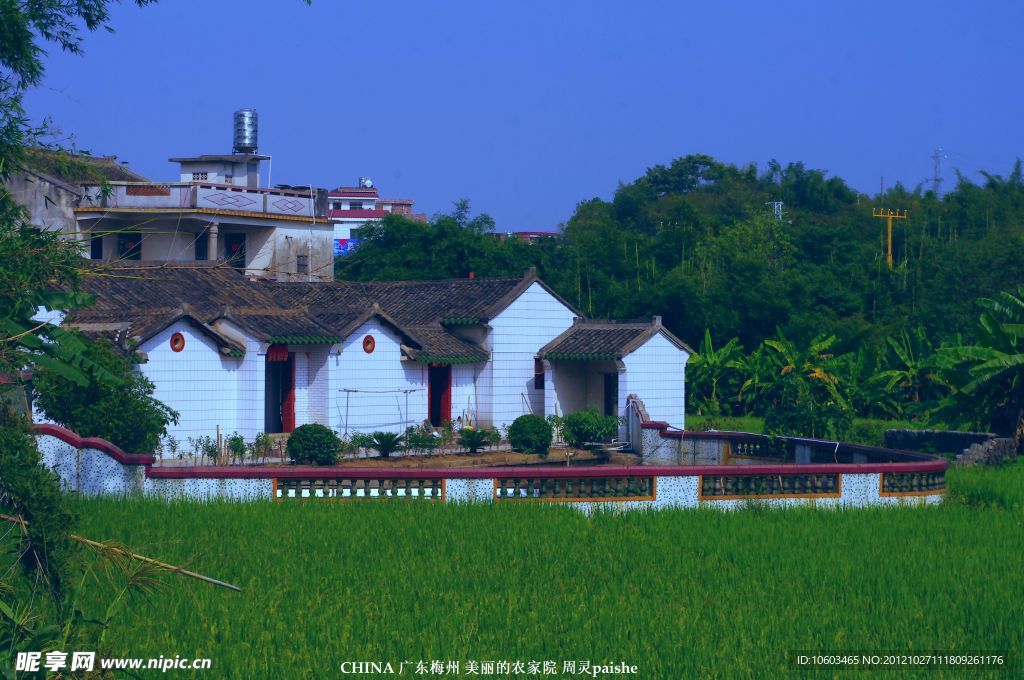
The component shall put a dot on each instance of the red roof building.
(350, 208)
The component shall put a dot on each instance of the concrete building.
(256, 356)
(50, 186)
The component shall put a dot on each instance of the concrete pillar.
(214, 253)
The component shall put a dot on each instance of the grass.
(678, 593)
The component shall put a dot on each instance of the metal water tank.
(246, 130)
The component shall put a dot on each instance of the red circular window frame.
(177, 342)
(369, 344)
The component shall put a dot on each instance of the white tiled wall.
(465, 392)
(656, 373)
(529, 323)
(251, 390)
(198, 382)
(380, 375)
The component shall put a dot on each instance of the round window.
(177, 342)
(368, 344)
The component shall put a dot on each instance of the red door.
(288, 395)
(439, 394)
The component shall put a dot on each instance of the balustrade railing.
(723, 487)
(912, 483)
(574, 488)
(358, 489)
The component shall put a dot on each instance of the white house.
(261, 356)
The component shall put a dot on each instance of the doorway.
(611, 394)
(279, 409)
(234, 250)
(439, 394)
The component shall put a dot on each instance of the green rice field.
(678, 594)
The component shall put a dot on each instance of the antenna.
(936, 181)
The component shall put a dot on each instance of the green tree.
(805, 395)
(708, 368)
(914, 381)
(989, 373)
(38, 270)
(123, 412)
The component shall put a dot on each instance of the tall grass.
(678, 593)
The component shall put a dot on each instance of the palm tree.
(990, 373)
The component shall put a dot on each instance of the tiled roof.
(134, 301)
(599, 339)
(75, 169)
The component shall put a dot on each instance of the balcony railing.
(199, 195)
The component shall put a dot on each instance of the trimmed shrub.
(531, 434)
(588, 426)
(313, 444)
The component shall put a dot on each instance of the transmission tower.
(937, 179)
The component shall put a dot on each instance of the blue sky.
(527, 108)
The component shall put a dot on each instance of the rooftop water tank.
(246, 130)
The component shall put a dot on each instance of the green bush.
(361, 440)
(589, 426)
(235, 447)
(125, 414)
(313, 444)
(531, 434)
(421, 438)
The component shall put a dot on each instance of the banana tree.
(914, 379)
(708, 368)
(989, 387)
(753, 370)
(806, 396)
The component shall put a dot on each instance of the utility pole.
(776, 209)
(890, 215)
(937, 179)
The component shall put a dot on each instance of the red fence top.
(101, 445)
(309, 472)
(922, 463)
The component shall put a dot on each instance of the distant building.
(528, 236)
(350, 208)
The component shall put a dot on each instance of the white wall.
(312, 381)
(198, 382)
(380, 405)
(168, 245)
(518, 333)
(252, 383)
(656, 373)
(465, 393)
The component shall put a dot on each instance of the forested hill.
(699, 242)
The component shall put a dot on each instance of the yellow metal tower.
(890, 215)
